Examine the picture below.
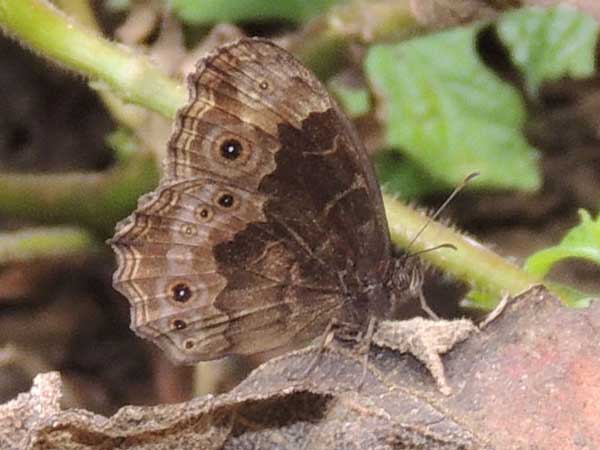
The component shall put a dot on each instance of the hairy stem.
(94, 201)
(45, 29)
(127, 114)
(469, 261)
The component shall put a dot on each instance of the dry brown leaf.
(531, 379)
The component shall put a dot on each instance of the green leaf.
(570, 296)
(402, 177)
(548, 44)
(207, 12)
(449, 114)
(582, 241)
(355, 101)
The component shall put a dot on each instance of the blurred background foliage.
(437, 90)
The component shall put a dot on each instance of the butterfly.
(268, 222)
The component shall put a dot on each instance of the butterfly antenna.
(432, 249)
(435, 215)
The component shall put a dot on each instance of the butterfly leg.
(330, 332)
(326, 339)
(364, 347)
(341, 274)
(496, 312)
(415, 286)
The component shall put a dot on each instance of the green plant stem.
(81, 11)
(25, 245)
(127, 114)
(94, 201)
(44, 28)
(470, 261)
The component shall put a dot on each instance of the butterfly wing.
(268, 215)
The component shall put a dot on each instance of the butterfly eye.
(231, 149)
(181, 292)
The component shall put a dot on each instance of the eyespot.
(203, 213)
(181, 292)
(231, 149)
(225, 200)
(179, 324)
(264, 85)
(189, 230)
(189, 344)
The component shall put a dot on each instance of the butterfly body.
(268, 222)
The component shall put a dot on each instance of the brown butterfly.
(268, 223)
